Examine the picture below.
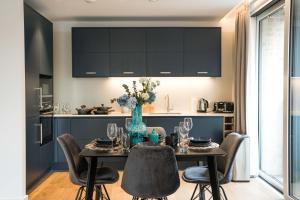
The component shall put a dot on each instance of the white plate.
(102, 149)
(212, 145)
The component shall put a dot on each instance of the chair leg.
(98, 193)
(202, 192)
(78, 192)
(106, 193)
(224, 193)
(194, 192)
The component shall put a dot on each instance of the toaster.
(224, 107)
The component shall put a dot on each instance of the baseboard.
(15, 198)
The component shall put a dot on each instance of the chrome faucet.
(167, 98)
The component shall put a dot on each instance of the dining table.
(93, 156)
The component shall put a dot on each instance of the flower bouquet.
(134, 100)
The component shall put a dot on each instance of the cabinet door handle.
(202, 72)
(128, 72)
(41, 133)
(165, 72)
(40, 97)
(90, 73)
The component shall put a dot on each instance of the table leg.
(91, 177)
(213, 174)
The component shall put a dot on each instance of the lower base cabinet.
(85, 129)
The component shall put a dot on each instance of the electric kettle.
(203, 105)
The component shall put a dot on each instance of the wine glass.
(128, 123)
(188, 123)
(184, 137)
(176, 131)
(119, 134)
(124, 141)
(66, 108)
(182, 130)
(112, 133)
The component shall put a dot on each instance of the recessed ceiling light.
(152, 1)
(90, 1)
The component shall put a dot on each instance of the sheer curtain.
(252, 99)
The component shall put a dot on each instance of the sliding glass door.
(270, 26)
(294, 126)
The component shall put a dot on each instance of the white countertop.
(171, 114)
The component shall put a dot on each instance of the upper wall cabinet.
(164, 52)
(202, 52)
(117, 52)
(90, 52)
(39, 42)
(128, 48)
(46, 45)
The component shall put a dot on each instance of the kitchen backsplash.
(182, 91)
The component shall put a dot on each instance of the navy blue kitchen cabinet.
(90, 52)
(38, 61)
(46, 47)
(90, 64)
(33, 167)
(164, 52)
(90, 40)
(87, 129)
(203, 127)
(119, 52)
(127, 64)
(164, 64)
(164, 39)
(47, 157)
(127, 57)
(202, 52)
(32, 61)
(61, 126)
(127, 40)
(168, 123)
(84, 130)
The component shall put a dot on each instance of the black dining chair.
(200, 175)
(78, 168)
(151, 172)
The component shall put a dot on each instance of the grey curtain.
(241, 34)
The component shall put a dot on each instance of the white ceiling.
(133, 9)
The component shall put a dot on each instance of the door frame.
(269, 11)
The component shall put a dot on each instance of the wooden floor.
(58, 187)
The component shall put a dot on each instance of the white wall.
(12, 101)
(94, 91)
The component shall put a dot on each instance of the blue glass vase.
(137, 129)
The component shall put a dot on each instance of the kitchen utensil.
(203, 105)
(83, 110)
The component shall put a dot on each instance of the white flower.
(143, 80)
(145, 96)
(157, 82)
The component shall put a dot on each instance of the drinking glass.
(112, 133)
(119, 135)
(66, 108)
(176, 131)
(188, 123)
(125, 142)
(184, 134)
(127, 122)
